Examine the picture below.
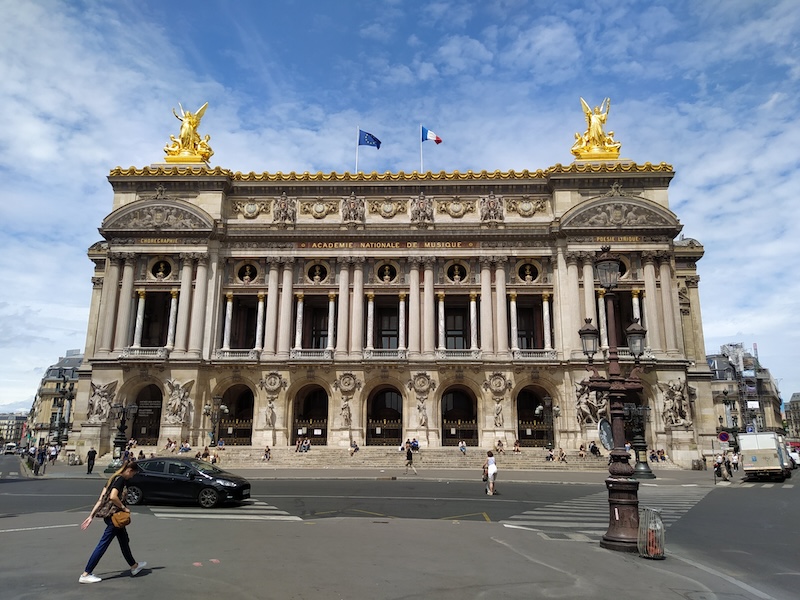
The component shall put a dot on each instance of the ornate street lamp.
(65, 389)
(214, 411)
(623, 498)
(123, 413)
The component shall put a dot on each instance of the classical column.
(428, 322)
(260, 322)
(650, 303)
(111, 282)
(125, 300)
(344, 308)
(271, 320)
(401, 321)
(548, 340)
(588, 287)
(226, 335)
(298, 325)
(370, 319)
(512, 314)
(573, 308)
(602, 324)
(331, 320)
(137, 330)
(413, 310)
(442, 343)
(357, 323)
(502, 309)
(637, 309)
(199, 300)
(473, 321)
(667, 305)
(487, 334)
(173, 319)
(184, 299)
(285, 313)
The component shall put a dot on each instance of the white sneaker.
(138, 568)
(89, 578)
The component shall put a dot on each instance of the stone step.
(321, 457)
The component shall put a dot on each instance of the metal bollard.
(650, 542)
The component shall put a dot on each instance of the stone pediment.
(620, 212)
(160, 214)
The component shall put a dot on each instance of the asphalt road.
(407, 538)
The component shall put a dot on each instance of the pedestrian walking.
(490, 469)
(410, 460)
(91, 455)
(113, 492)
(735, 461)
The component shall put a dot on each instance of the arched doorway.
(236, 426)
(534, 419)
(311, 416)
(146, 424)
(385, 418)
(459, 417)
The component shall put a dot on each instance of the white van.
(11, 448)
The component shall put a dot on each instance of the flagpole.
(358, 129)
(420, 149)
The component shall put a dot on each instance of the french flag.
(427, 134)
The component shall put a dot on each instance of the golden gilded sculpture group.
(595, 143)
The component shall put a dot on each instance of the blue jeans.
(109, 534)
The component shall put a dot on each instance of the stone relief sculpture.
(676, 402)
(353, 209)
(422, 384)
(421, 210)
(498, 412)
(491, 208)
(178, 403)
(285, 210)
(590, 406)
(102, 396)
(345, 412)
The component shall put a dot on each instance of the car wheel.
(208, 498)
(134, 495)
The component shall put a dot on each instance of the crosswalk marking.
(586, 518)
(254, 510)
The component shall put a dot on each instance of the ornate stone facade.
(387, 306)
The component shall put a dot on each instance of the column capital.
(635, 292)
(601, 292)
(473, 296)
(486, 262)
(261, 296)
(370, 296)
(358, 261)
(546, 295)
(402, 295)
(429, 261)
(331, 296)
(513, 296)
(440, 295)
(173, 292)
(229, 296)
(141, 293)
(649, 256)
(299, 295)
(572, 258)
(692, 281)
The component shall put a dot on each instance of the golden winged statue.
(189, 147)
(595, 143)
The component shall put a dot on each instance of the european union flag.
(367, 139)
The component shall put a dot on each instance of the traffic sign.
(750, 429)
(723, 436)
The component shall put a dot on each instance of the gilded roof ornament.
(595, 143)
(189, 147)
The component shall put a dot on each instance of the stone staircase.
(385, 457)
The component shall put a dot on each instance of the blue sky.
(709, 87)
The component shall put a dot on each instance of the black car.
(180, 480)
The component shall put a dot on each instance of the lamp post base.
(623, 515)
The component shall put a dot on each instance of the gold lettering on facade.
(158, 240)
(618, 238)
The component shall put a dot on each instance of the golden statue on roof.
(189, 147)
(595, 143)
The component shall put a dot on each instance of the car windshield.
(206, 468)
